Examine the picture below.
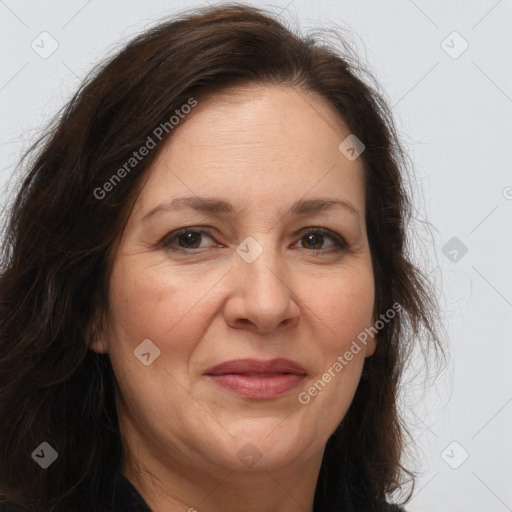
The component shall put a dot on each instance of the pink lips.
(258, 379)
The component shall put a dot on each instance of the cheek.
(345, 309)
(139, 302)
(168, 308)
(150, 304)
(341, 313)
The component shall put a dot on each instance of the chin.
(264, 449)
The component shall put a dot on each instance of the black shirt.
(121, 496)
(112, 492)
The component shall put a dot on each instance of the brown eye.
(315, 238)
(190, 238)
(184, 240)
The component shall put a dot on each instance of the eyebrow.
(219, 206)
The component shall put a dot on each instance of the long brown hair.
(59, 237)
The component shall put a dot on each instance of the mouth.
(258, 379)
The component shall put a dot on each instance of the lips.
(258, 379)
(257, 367)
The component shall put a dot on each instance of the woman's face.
(251, 278)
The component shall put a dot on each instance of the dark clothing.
(349, 496)
(116, 494)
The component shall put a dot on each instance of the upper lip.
(280, 365)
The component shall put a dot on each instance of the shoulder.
(111, 492)
(103, 492)
(353, 492)
(126, 497)
(12, 507)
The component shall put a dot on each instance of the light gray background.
(455, 116)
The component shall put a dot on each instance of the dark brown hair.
(59, 238)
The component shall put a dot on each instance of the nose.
(262, 297)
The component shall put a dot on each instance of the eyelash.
(172, 237)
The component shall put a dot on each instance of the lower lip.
(258, 387)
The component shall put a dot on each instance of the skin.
(261, 148)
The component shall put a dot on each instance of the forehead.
(272, 144)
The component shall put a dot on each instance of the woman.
(206, 300)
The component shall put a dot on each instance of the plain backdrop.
(446, 68)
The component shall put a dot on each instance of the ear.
(97, 334)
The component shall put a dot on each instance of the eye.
(317, 236)
(187, 240)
